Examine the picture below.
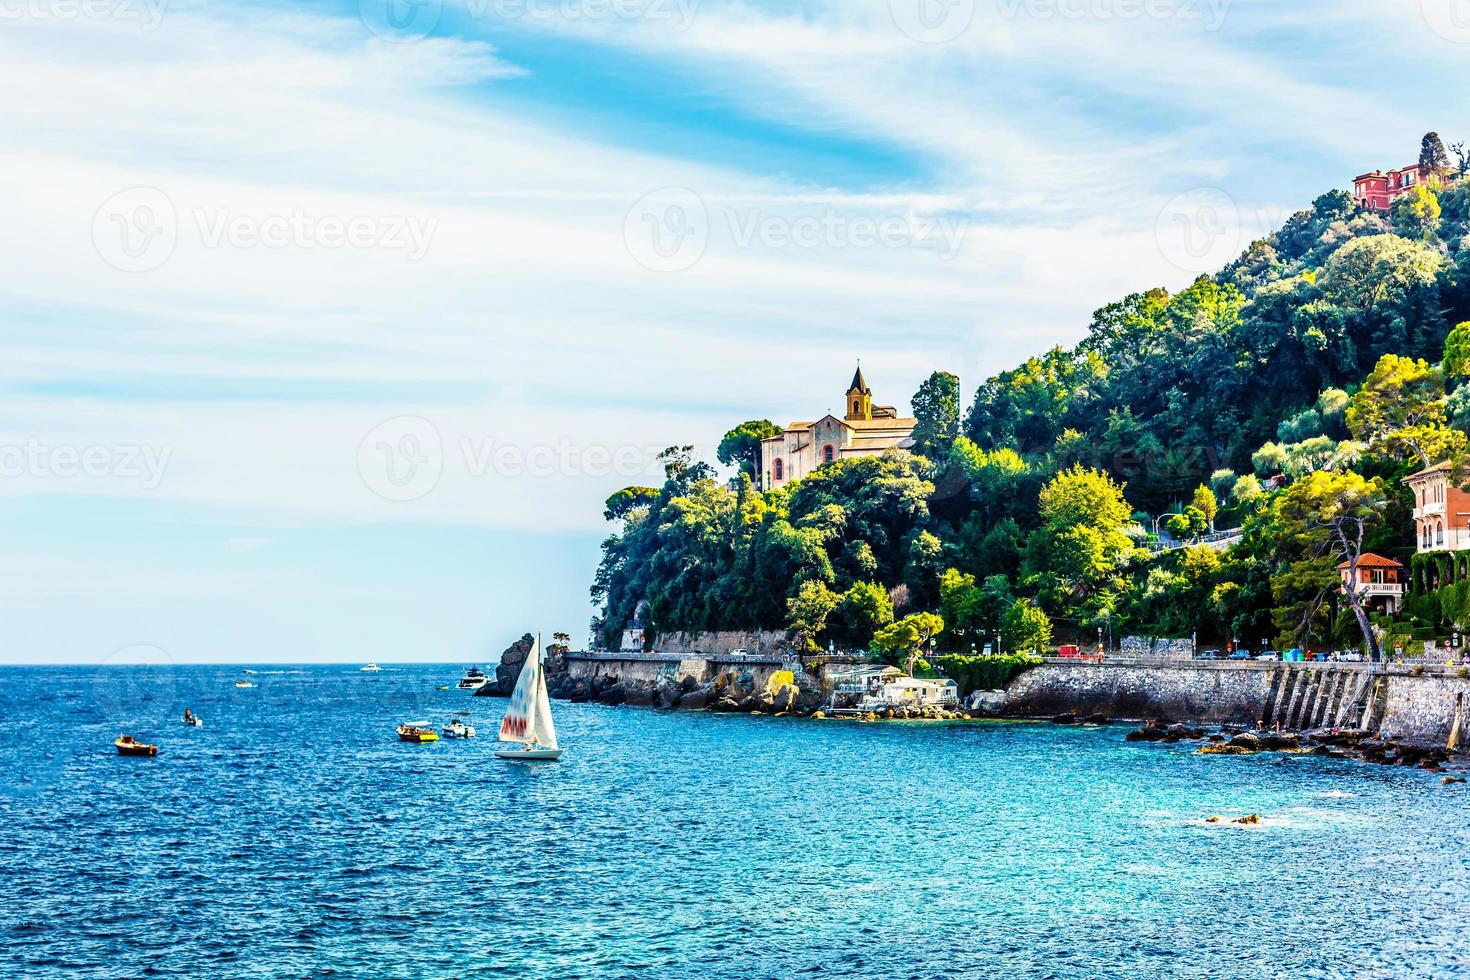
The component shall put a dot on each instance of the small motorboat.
(417, 731)
(244, 684)
(127, 745)
(370, 668)
(473, 680)
(458, 729)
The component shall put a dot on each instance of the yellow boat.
(417, 732)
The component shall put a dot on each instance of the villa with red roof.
(1380, 582)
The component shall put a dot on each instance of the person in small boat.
(188, 717)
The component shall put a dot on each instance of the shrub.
(983, 673)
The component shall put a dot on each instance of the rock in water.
(509, 668)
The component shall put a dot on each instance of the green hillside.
(1287, 395)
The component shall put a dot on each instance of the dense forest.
(1287, 395)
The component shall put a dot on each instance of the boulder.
(1452, 779)
(1098, 718)
(640, 696)
(1245, 740)
(616, 694)
(1065, 718)
(727, 705)
(696, 700)
(1148, 733)
(784, 697)
(1277, 741)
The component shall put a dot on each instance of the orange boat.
(417, 732)
(127, 745)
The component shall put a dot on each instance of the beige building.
(864, 430)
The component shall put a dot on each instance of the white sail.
(528, 719)
(545, 730)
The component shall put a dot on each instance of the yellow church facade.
(864, 430)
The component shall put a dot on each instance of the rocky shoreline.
(1336, 743)
(798, 694)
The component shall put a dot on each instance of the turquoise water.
(294, 836)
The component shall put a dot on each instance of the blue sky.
(325, 338)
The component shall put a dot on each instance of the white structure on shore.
(864, 430)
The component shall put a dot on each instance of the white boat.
(528, 719)
(371, 667)
(458, 729)
(243, 684)
(473, 680)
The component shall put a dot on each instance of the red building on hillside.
(1378, 190)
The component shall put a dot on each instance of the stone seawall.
(1424, 707)
(1188, 691)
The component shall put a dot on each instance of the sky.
(325, 328)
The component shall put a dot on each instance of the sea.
(294, 835)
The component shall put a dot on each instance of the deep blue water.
(295, 836)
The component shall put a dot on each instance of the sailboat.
(528, 719)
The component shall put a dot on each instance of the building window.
(857, 407)
(828, 454)
(778, 469)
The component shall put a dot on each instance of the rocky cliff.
(511, 662)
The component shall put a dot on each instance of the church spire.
(859, 397)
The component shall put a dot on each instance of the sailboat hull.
(546, 755)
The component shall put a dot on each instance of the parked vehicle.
(1208, 655)
(1267, 655)
(1240, 655)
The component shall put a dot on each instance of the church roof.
(892, 423)
(858, 384)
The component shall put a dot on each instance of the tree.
(620, 504)
(1457, 351)
(1462, 158)
(1400, 411)
(908, 636)
(681, 469)
(936, 415)
(807, 613)
(1416, 214)
(1433, 160)
(1207, 504)
(1026, 627)
(741, 446)
(1081, 545)
(865, 608)
(1328, 516)
(1247, 491)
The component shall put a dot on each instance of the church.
(864, 430)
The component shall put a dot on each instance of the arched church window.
(828, 454)
(779, 470)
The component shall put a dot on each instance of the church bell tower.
(859, 398)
